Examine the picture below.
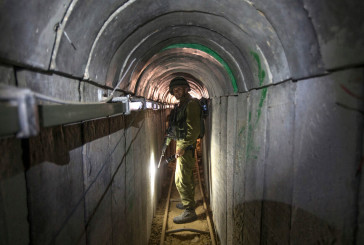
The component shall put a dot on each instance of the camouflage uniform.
(185, 164)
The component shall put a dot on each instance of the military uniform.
(185, 164)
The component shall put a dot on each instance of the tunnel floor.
(185, 237)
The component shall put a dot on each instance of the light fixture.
(152, 171)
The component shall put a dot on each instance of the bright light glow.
(156, 106)
(149, 105)
(134, 106)
(194, 94)
(152, 170)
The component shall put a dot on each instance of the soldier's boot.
(189, 215)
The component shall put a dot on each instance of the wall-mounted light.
(134, 106)
(149, 105)
(152, 171)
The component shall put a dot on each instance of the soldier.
(186, 121)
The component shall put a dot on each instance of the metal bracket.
(152, 105)
(27, 109)
(138, 103)
(125, 100)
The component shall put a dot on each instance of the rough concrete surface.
(336, 29)
(326, 160)
(55, 86)
(278, 180)
(14, 225)
(7, 75)
(28, 30)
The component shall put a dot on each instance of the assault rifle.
(165, 145)
(168, 160)
(173, 157)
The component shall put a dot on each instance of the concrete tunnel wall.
(283, 154)
(87, 183)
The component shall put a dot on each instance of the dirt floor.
(185, 237)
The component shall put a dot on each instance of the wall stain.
(241, 131)
(252, 150)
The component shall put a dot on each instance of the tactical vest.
(177, 128)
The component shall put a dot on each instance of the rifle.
(173, 157)
(165, 145)
(169, 159)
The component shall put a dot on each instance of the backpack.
(204, 114)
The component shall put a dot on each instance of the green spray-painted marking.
(261, 76)
(261, 101)
(213, 54)
(241, 131)
(261, 72)
(252, 150)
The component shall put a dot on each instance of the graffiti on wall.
(252, 149)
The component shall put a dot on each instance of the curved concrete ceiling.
(237, 41)
(222, 48)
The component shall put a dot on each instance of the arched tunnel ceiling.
(244, 44)
(244, 39)
(202, 70)
(96, 40)
(195, 27)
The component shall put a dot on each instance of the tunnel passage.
(283, 153)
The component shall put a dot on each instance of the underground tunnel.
(85, 97)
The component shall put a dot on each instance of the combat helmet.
(178, 81)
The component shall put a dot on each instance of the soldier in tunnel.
(185, 120)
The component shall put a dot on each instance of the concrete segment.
(96, 164)
(7, 75)
(325, 160)
(339, 26)
(231, 117)
(239, 168)
(278, 180)
(254, 171)
(73, 230)
(359, 236)
(118, 206)
(28, 30)
(215, 156)
(90, 93)
(134, 124)
(55, 185)
(206, 158)
(221, 177)
(99, 227)
(294, 28)
(82, 35)
(54, 85)
(14, 225)
(117, 144)
(139, 162)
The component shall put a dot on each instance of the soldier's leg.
(186, 188)
(184, 179)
